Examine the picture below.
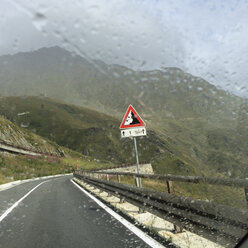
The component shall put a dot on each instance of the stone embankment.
(144, 169)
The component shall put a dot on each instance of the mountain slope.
(56, 73)
(16, 166)
(97, 135)
(89, 132)
(26, 161)
(198, 122)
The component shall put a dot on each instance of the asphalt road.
(58, 214)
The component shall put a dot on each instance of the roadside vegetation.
(20, 167)
(216, 194)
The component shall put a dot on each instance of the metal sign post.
(132, 126)
(137, 160)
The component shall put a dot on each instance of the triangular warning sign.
(131, 119)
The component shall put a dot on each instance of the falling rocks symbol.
(135, 119)
(131, 119)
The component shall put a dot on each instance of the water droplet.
(15, 44)
(76, 24)
(39, 21)
(82, 40)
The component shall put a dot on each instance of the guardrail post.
(137, 182)
(170, 188)
(246, 196)
(107, 177)
(119, 178)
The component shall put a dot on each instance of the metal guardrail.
(242, 183)
(221, 224)
(123, 166)
(28, 150)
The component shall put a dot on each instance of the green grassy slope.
(21, 167)
(15, 167)
(86, 131)
(97, 135)
(18, 166)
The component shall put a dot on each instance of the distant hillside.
(97, 135)
(171, 93)
(199, 124)
(81, 129)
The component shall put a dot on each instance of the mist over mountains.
(202, 125)
(56, 73)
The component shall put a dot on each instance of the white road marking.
(9, 210)
(146, 238)
(16, 183)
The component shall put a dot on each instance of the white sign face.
(133, 132)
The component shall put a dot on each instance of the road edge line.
(9, 210)
(145, 237)
(12, 184)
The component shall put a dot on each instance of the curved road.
(58, 214)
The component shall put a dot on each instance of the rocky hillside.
(12, 135)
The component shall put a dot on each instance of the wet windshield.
(123, 123)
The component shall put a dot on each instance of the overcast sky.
(204, 38)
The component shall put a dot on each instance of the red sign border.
(131, 108)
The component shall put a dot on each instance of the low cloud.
(204, 38)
